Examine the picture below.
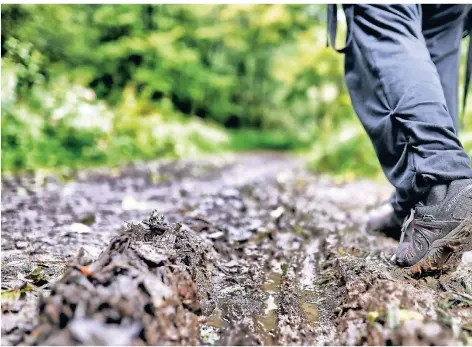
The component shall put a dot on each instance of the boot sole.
(445, 253)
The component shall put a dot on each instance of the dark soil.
(246, 250)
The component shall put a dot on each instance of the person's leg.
(442, 28)
(396, 91)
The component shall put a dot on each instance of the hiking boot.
(385, 220)
(438, 230)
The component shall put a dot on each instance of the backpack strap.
(332, 25)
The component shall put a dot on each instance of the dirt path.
(265, 253)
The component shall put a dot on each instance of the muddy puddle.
(266, 322)
(241, 250)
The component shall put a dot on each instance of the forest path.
(271, 254)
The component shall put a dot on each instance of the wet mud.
(242, 250)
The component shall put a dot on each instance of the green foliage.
(29, 65)
(466, 139)
(67, 126)
(348, 152)
(105, 84)
(240, 65)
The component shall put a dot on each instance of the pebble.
(79, 228)
(21, 244)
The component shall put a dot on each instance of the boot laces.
(406, 224)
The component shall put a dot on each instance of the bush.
(67, 126)
(239, 65)
(250, 76)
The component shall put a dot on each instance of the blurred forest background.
(87, 85)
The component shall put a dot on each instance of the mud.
(145, 288)
(246, 250)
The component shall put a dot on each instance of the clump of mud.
(372, 302)
(145, 288)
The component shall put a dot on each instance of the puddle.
(265, 324)
(308, 273)
(309, 308)
(270, 304)
(272, 282)
(308, 277)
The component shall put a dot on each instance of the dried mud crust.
(260, 253)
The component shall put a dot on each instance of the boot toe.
(404, 255)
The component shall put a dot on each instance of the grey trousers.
(402, 72)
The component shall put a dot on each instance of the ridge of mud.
(145, 288)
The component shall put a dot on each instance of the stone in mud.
(21, 244)
(79, 228)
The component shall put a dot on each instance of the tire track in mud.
(286, 262)
(292, 226)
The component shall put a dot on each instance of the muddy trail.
(242, 250)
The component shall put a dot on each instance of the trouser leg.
(396, 91)
(442, 27)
